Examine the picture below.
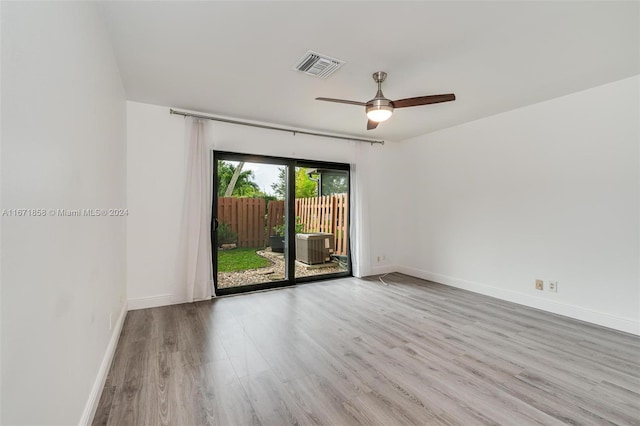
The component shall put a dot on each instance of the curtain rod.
(264, 126)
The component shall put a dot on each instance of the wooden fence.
(330, 214)
(318, 214)
(275, 215)
(246, 217)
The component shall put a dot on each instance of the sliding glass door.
(278, 221)
(322, 220)
(250, 225)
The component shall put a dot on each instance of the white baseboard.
(96, 391)
(159, 300)
(571, 311)
(152, 301)
(386, 269)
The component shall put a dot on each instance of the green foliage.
(225, 235)
(267, 198)
(240, 259)
(335, 183)
(280, 186)
(245, 186)
(280, 229)
(305, 187)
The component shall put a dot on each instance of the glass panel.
(322, 219)
(251, 215)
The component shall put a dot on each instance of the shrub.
(279, 229)
(225, 235)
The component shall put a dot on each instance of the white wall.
(549, 191)
(386, 213)
(156, 160)
(63, 147)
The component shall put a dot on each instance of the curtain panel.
(196, 268)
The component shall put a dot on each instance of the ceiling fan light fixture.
(379, 110)
(379, 114)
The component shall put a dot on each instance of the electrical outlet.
(539, 285)
(553, 286)
(110, 321)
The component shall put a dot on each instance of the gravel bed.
(275, 272)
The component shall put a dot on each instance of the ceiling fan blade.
(342, 101)
(371, 124)
(423, 100)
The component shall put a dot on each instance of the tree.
(334, 183)
(280, 186)
(305, 187)
(245, 185)
(234, 179)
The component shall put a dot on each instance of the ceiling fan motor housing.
(379, 109)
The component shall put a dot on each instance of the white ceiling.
(235, 58)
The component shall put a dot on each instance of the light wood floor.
(352, 351)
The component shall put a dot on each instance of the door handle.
(215, 223)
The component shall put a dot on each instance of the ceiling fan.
(380, 108)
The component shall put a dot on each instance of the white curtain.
(196, 269)
(359, 212)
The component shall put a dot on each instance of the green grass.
(240, 259)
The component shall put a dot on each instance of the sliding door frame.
(291, 164)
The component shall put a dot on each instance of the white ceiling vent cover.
(318, 65)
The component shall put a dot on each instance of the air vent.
(318, 65)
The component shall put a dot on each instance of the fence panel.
(316, 213)
(275, 215)
(341, 215)
(245, 216)
(330, 214)
(226, 212)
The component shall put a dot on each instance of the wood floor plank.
(322, 401)
(224, 400)
(101, 417)
(272, 402)
(360, 351)
(133, 401)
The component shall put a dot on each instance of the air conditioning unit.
(314, 248)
